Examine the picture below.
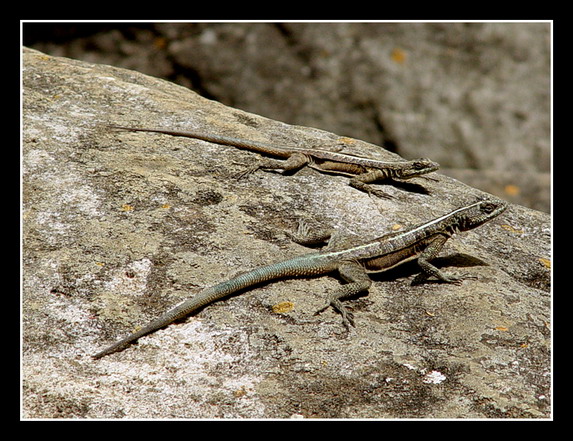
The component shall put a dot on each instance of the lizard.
(353, 263)
(363, 171)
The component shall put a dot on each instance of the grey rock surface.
(475, 97)
(118, 227)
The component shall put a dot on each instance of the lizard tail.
(289, 268)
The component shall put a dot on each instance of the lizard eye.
(488, 207)
(421, 163)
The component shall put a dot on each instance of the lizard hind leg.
(359, 282)
(305, 235)
(293, 162)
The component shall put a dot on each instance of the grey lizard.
(422, 242)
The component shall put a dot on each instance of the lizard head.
(418, 167)
(479, 213)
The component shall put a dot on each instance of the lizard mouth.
(419, 168)
(420, 174)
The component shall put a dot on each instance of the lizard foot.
(246, 172)
(347, 316)
(444, 278)
(457, 280)
(378, 193)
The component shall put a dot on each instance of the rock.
(118, 227)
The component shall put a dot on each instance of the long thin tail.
(257, 146)
(288, 268)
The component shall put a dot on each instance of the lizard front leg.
(359, 282)
(428, 270)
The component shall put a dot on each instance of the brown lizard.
(362, 170)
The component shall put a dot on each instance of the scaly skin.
(362, 170)
(422, 242)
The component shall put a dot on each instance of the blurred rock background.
(475, 97)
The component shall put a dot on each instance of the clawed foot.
(445, 278)
(301, 234)
(457, 280)
(246, 172)
(307, 236)
(466, 276)
(347, 316)
(379, 193)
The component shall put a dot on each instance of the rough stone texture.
(120, 226)
(474, 97)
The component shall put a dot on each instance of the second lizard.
(363, 171)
